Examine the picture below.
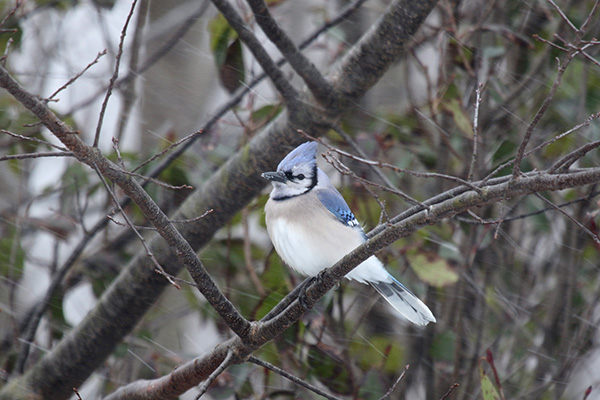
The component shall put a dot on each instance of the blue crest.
(306, 153)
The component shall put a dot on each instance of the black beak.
(274, 176)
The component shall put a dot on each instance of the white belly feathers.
(306, 244)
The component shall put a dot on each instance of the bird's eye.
(300, 177)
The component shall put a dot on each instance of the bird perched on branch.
(312, 228)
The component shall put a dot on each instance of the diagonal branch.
(540, 113)
(316, 83)
(291, 377)
(591, 234)
(215, 374)
(113, 78)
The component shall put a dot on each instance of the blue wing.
(335, 203)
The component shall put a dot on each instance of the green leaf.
(266, 113)
(232, 72)
(433, 269)
(488, 390)
(227, 49)
(221, 35)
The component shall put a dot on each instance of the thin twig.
(115, 145)
(475, 216)
(73, 79)
(187, 221)
(449, 392)
(361, 152)
(4, 57)
(113, 79)
(568, 160)
(389, 392)
(343, 169)
(12, 12)
(577, 49)
(589, 57)
(37, 155)
(542, 145)
(174, 221)
(538, 116)
(550, 43)
(291, 377)
(128, 89)
(587, 21)
(138, 227)
(159, 267)
(563, 16)
(480, 221)
(211, 378)
(157, 182)
(475, 131)
(591, 234)
(177, 143)
(34, 139)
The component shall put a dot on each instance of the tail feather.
(404, 302)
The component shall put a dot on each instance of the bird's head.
(296, 174)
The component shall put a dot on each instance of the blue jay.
(312, 228)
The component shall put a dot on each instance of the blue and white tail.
(404, 302)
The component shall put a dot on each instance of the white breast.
(309, 238)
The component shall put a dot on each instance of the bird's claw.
(302, 297)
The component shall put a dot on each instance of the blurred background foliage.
(516, 298)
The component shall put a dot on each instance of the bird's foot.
(302, 297)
